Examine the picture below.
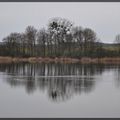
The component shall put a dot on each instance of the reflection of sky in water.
(61, 83)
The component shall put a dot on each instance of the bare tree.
(41, 40)
(117, 40)
(31, 39)
(89, 41)
(12, 44)
(60, 39)
(59, 28)
(78, 38)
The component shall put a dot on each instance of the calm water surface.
(59, 90)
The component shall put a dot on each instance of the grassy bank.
(84, 60)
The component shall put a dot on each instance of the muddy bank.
(85, 60)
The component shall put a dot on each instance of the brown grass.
(84, 60)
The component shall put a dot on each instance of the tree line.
(60, 39)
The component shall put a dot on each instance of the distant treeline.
(60, 39)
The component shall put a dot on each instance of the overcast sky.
(103, 18)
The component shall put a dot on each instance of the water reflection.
(117, 77)
(60, 81)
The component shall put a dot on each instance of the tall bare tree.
(60, 28)
(31, 39)
(117, 40)
(41, 40)
(89, 41)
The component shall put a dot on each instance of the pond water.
(59, 90)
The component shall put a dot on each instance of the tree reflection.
(117, 75)
(61, 81)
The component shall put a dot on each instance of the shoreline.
(84, 60)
